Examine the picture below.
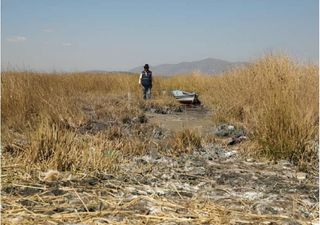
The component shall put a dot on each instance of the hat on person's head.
(146, 66)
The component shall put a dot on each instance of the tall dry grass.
(41, 114)
(275, 99)
(26, 95)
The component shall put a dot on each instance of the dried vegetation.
(92, 123)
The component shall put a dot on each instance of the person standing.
(145, 81)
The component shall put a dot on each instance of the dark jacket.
(146, 78)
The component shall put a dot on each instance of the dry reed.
(275, 99)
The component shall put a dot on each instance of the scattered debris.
(164, 109)
(237, 139)
(227, 130)
(211, 184)
(301, 176)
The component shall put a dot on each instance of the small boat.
(186, 97)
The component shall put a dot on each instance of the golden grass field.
(42, 116)
(275, 99)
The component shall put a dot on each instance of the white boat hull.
(186, 97)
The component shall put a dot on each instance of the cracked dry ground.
(213, 185)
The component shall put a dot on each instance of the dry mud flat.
(213, 185)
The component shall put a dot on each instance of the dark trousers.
(146, 92)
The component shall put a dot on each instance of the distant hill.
(206, 66)
(107, 72)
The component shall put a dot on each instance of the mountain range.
(206, 66)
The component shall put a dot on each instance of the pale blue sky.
(75, 35)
